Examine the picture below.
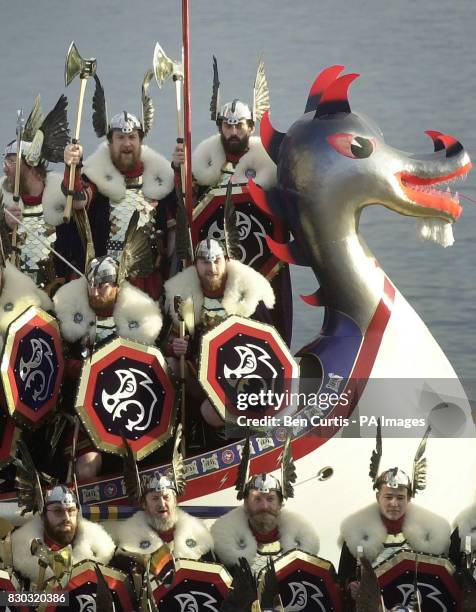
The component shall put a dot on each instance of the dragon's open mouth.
(434, 192)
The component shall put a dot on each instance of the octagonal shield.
(32, 366)
(307, 582)
(125, 390)
(197, 585)
(252, 224)
(9, 435)
(81, 587)
(9, 583)
(247, 370)
(437, 586)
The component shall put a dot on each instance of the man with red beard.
(121, 178)
(59, 525)
(161, 522)
(261, 528)
(92, 310)
(234, 153)
(214, 288)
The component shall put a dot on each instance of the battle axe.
(86, 68)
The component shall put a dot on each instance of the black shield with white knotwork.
(307, 583)
(436, 582)
(252, 224)
(197, 586)
(246, 369)
(125, 392)
(32, 366)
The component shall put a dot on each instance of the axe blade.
(164, 67)
(75, 65)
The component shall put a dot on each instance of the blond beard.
(160, 524)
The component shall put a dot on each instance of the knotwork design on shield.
(247, 369)
(125, 391)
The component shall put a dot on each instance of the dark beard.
(235, 145)
(61, 538)
(125, 166)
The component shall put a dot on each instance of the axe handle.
(180, 138)
(72, 168)
(182, 388)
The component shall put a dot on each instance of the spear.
(187, 109)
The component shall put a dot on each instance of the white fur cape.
(19, 292)
(53, 200)
(158, 176)
(192, 540)
(136, 315)
(209, 157)
(424, 531)
(466, 524)
(91, 542)
(233, 537)
(244, 289)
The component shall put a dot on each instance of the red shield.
(9, 584)
(248, 372)
(9, 435)
(32, 366)
(196, 586)
(436, 583)
(253, 226)
(81, 588)
(307, 583)
(125, 391)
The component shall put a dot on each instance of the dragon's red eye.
(356, 147)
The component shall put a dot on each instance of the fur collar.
(53, 200)
(466, 524)
(136, 315)
(19, 292)
(158, 176)
(234, 539)
(91, 542)
(192, 540)
(244, 289)
(209, 157)
(424, 531)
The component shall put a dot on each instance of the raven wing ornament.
(376, 454)
(99, 109)
(147, 104)
(178, 465)
(244, 469)
(215, 101)
(132, 480)
(260, 93)
(419, 465)
(27, 482)
(288, 470)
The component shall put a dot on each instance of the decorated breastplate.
(121, 213)
(105, 329)
(212, 313)
(264, 552)
(393, 544)
(34, 257)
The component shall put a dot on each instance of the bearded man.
(261, 528)
(124, 182)
(235, 154)
(92, 310)
(59, 525)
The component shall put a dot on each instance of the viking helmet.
(102, 270)
(266, 482)
(60, 494)
(160, 483)
(125, 122)
(209, 250)
(395, 477)
(235, 111)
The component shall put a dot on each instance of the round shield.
(307, 583)
(252, 224)
(82, 589)
(9, 584)
(9, 435)
(435, 577)
(197, 586)
(125, 390)
(32, 366)
(248, 373)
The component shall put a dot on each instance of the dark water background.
(416, 58)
